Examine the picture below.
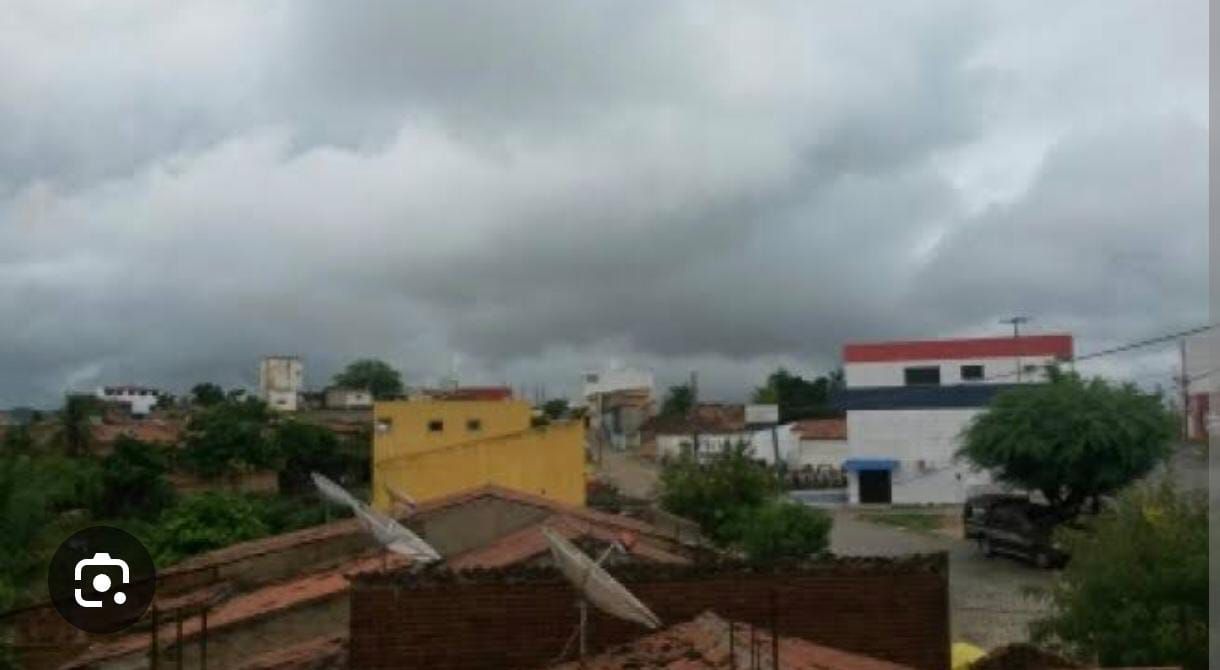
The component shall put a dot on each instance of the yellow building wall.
(547, 461)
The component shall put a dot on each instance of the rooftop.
(821, 429)
(711, 642)
(1058, 346)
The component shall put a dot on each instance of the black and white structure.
(908, 402)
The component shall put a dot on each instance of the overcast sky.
(534, 189)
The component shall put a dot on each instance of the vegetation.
(207, 394)
(679, 401)
(1136, 592)
(917, 521)
(133, 480)
(24, 510)
(797, 397)
(228, 437)
(734, 499)
(307, 448)
(377, 376)
(74, 423)
(204, 522)
(1070, 439)
(17, 440)
(554, 409)
(782, 529)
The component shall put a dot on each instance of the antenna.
(391, 534)
(596, 586)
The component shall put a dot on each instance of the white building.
(347, 398)
(280, 380)
(619, 400)
(907, 404)
(820, 443)
(141, 399)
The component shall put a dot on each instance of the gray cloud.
(539, 187)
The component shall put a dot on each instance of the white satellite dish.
(391, 534)
(596, 586)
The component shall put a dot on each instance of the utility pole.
(1016, 322)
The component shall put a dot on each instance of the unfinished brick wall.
(893, 610)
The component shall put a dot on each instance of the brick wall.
(894, 610)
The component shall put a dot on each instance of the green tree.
(377, 376)
(24, 509)
(678, 401)
(229, 437)
(133, 480)
(76, 423)
(797, 397)
(714, 492)
(555, 409)
(17, 440)
(204, 522)
(1135, 591)
(207, 394)
(307, 448)
(782, 529)
(1069, 439)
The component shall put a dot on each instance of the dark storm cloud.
(540, 187)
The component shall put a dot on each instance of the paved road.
(987, 599)
(634, 477)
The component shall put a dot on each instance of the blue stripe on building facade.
(956, 396)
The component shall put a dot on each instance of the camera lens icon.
(102, 579)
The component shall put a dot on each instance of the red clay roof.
(1059, 346)
(706, 418)
(472, 393)
(821, 429)
(704, 642)
(529, 542)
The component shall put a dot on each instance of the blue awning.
(858, 464)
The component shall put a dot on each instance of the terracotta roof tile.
(529, 542)
(704, 642)
(320, 652)
(821, 429)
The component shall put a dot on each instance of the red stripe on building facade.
(1059, 346)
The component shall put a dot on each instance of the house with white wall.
(141, 399)
(280, 381)
(908, 402)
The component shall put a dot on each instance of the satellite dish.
(596, 585)
(400, 498)
(391, 534)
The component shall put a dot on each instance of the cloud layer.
(540, 187)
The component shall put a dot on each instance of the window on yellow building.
(436, 426)
(474, 425)
(384, 425)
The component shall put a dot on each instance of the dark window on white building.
(922, 376)
(972, 373)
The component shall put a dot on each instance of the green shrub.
(782, 529)
(133, 480)
(204, 522)
(1135, 590)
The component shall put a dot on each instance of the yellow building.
(431, 447)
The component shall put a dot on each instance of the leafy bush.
(782, 529)
(203, 522)
(24, 509)
(133, 480)
(714, 492)
(307, 448)
(281, 514)
(228, 437)
(1135, 591)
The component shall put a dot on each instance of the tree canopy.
(1070, 439)
(679, 401)
(207, 394)
(1135, 591)
(307, 448)
(229, 436)
(375, 375)
(735, 500)
(133, 480)
(797, 397)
